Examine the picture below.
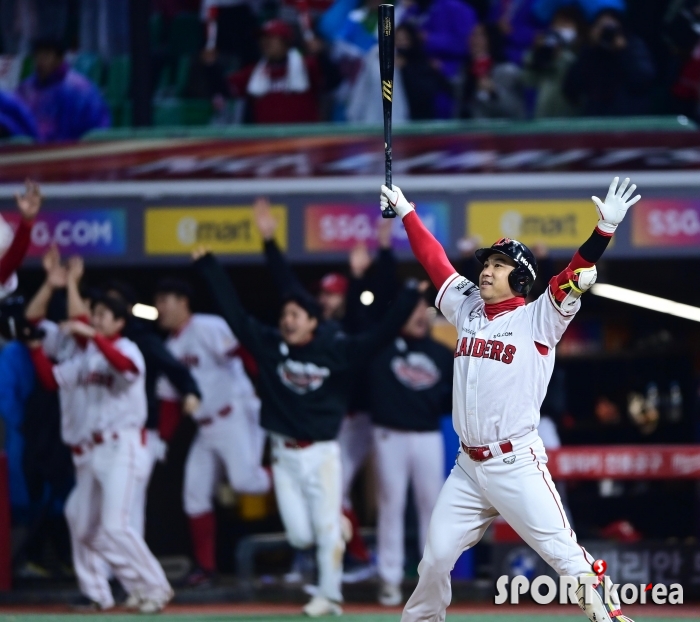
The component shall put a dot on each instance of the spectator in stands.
(492, 89)
(545, 10)
(514, 27)
(614, 72)
(64, 103)
(350, 27)
(284, 86)
(444, 26)
(365, 100)
(15, 118)
(421, 80)
(549, 61)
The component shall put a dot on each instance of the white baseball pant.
(308, 492)
(226, 445)
(517, 486)
(112, 483)
(91, 569)
(355, 439)
(404, 457)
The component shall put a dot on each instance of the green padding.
(626, 124)
(181, 112)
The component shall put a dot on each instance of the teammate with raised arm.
(502, 364)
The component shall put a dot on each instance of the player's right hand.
(190, 404)
(396, 200)
(615, 206)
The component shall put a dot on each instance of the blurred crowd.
(290, 61)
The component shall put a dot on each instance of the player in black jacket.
(341, 307)
(304, 380)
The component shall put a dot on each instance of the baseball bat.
(385, 26)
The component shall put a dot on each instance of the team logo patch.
(302, 377)
(509, 460)
(416, 371)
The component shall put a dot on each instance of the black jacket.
(304, 390)
(158, 361)
(411, 384)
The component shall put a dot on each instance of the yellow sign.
(226, 230)
(558, 224)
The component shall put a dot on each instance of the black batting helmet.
(522, 278)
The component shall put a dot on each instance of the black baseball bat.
(385, 26)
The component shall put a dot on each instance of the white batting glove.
(616, 204)
(395, 198)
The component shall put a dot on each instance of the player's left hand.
(29, 202)
(616, 204)
(199, 251)
(79, 329)
(190, 404)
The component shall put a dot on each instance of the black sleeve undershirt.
(594, 247)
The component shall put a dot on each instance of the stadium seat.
(116, 89)
(174, 111)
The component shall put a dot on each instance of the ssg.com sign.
(88, 232)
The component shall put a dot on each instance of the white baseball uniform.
(229, 437)
(110, 463)
(502, 367)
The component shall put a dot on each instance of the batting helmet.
(522, 278)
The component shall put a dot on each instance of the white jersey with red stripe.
(59, 347)
(108, 399)
(208, 348)
(502, 366)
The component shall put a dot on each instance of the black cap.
(121, 289)
(523, 277)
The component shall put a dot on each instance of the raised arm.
(56, 278)
(28, 205)
(282, 274)
(248, 330)
(425, 247)
(579, 276)
(77, 309)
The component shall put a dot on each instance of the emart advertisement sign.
(224, 230)
(558, 224)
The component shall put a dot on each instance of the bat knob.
(388, 213)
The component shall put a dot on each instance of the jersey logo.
(97, 378)
(480, 348)
(416, 371)
(509, 460)
(302, 377)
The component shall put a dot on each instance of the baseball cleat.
(321, 606)
(390, 595)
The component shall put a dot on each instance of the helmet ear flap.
(519, 281)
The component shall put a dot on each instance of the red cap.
(334, 283)
(277, 28)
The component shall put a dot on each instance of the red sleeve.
(249, 363)
(169, 419)
(428, 250)
(116, 359)
(12, 259)
(44, 369)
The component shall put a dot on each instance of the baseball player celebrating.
(104, 384)
(502, 364)
(305, 381)
(228, 433)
